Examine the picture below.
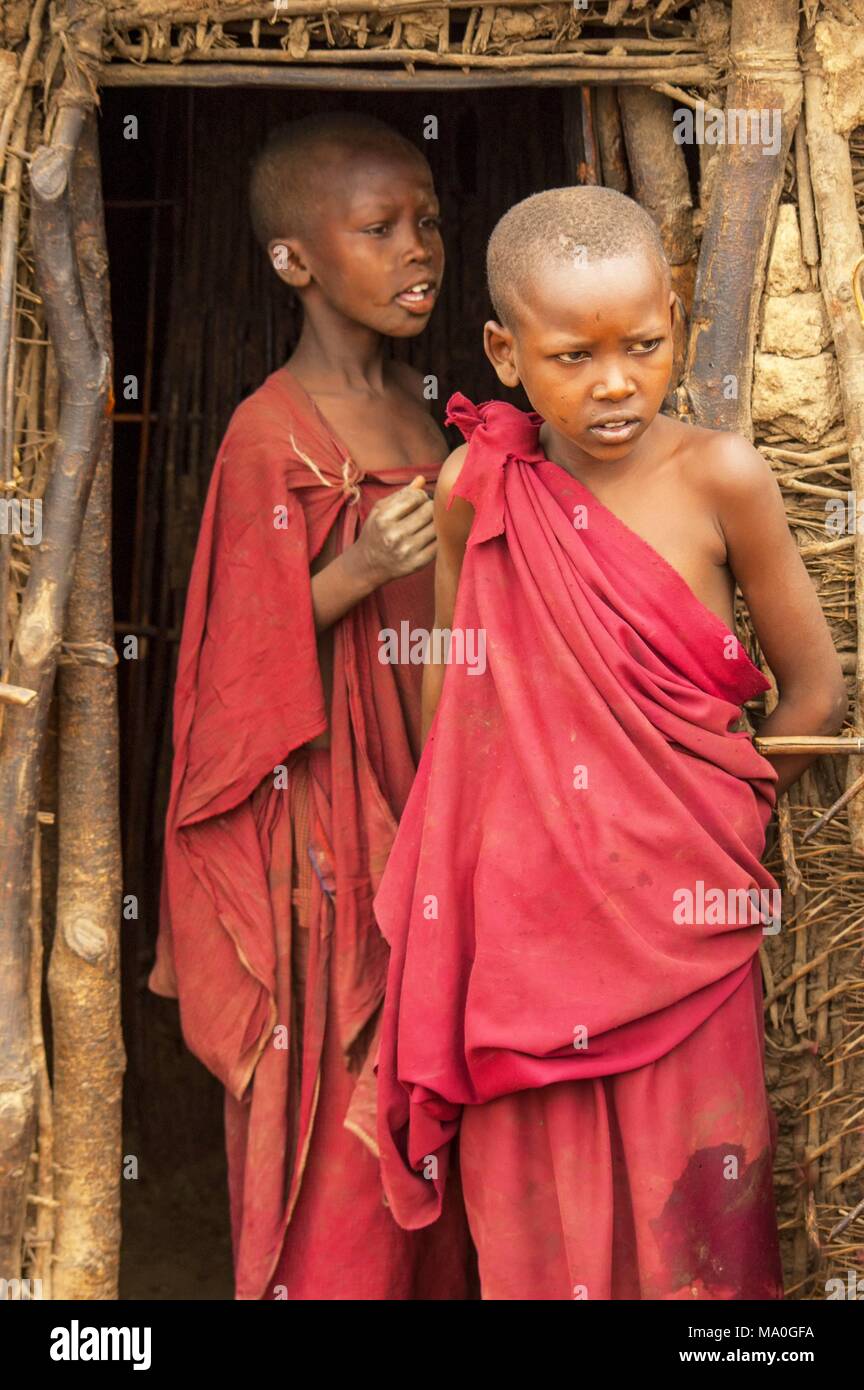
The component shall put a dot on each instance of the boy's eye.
(570, 356)
(431, 221)
(377, 228)
(648, 346)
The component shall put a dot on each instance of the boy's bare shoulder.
(724, 464)
(450, 470)
(453, 523)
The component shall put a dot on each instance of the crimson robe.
(603, 1052)
(273, 852)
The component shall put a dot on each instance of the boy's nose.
(418, 249)
(415, 244)
(614, 386)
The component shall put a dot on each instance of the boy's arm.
(782, 600)
(398, 537)
(452, 528)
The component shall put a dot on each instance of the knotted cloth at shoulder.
(498, 433)
(464, 413)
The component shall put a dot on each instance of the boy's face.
(374, 252)
(593, 346)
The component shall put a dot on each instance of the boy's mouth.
(616, 428)
(419, 297)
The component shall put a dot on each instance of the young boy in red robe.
(575, 901)
(295, 747)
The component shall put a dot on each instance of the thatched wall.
(812, 970)
(459, 36)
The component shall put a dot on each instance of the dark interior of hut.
(199, 320)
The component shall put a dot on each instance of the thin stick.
(16, 695)
(809, 743)
(846, 1221)
(806, 209)
(8, 277)
(827, 547)
(306, 77)
(852, 790)
(667, 90)
(27, 60)
(673, 63)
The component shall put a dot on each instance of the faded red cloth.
(248, 696)
(564, 797)
(655, 1183)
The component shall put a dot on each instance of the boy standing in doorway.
(575, 901)
(295, 747)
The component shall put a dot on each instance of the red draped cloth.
(273, 852)
(600, 1041)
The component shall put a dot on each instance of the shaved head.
(576, 226)
(289, 174)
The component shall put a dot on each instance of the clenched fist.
(398, 536)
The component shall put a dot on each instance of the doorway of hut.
(199, 319)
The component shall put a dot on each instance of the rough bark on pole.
(41, 1235)
(589, 168)
(84, 974)
(8, 277)
(579, 156)
(840, 237)
(610, 138)
(457, 73)
(84, 380)
(571, 120)
(746, 188)
(658, 168)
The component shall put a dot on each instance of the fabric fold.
(569, 802)
(248, 699)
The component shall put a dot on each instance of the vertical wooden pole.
(589, 167)
(610, 140)
(571, 121)
(766, 77)
(40, 1237)
(84, 382)
(8, 355)
(581, 154)
(658, 168)
(841, 246)
(84, 974)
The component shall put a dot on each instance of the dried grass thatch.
(458, 34)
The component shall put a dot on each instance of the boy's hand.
(398, 536)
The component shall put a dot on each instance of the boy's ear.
(287, 259)
(498, 346)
